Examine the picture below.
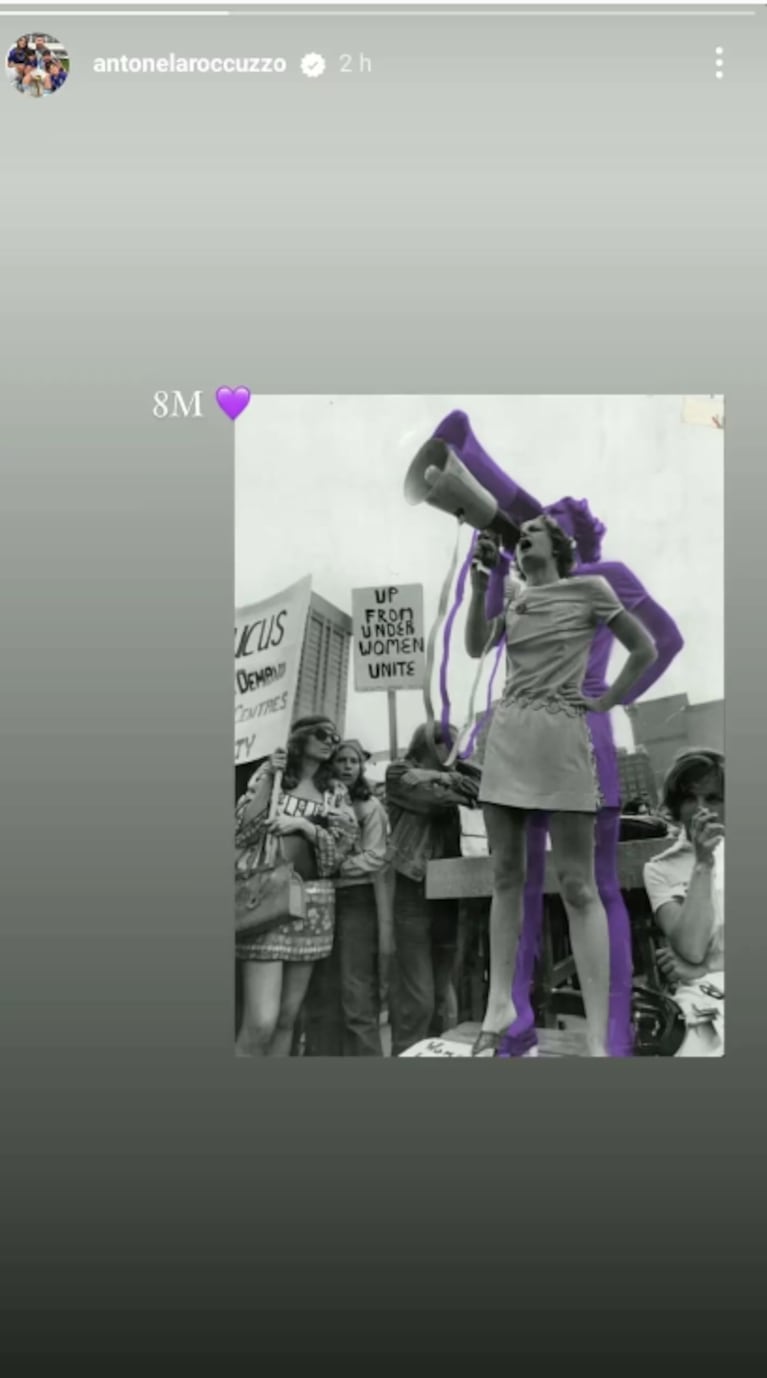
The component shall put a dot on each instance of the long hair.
(299, 733)
(422, 743)
(361, 789)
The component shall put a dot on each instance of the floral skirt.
(299, 940)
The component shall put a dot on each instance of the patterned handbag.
(272, 894)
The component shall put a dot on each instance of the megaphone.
(453, 473)
(438, 477)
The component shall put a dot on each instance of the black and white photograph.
(479, 726)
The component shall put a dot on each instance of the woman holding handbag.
(293, 799)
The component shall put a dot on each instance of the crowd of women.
(370, 939)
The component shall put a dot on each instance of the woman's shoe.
(486, 1041)
(505, 1043)
(518, 1045)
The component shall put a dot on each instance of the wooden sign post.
(392, 704)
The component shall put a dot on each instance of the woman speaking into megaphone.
(539, 757)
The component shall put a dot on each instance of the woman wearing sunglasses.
(316, 824)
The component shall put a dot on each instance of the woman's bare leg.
(572, 844)
(620, 1038)
(295, 984)
(261, 998)
(506, 835)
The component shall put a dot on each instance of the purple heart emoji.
(232, 401)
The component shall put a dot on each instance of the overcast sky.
(319, 490)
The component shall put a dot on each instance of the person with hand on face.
(423, 798)
(317, 828)
(540, 760)
(685, 887)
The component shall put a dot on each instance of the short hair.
(577, 518)
(688, 767)
(563, 548)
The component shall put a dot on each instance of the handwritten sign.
(268, 638)
(438, 1047)
(389, 640)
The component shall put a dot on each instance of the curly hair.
(687, 769)
(300, 732)
(576, 519)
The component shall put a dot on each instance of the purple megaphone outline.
(479, 724)
(455, 430)
(447, 633)
(576, 518)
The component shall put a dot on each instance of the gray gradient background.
(506, 205)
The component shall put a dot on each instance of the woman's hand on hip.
(580, 700)
(595, 705)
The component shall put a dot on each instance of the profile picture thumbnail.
(37, 65)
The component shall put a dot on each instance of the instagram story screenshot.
(422, 345)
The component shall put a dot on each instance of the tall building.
(637, 777)
(323, 674)
(666, 726)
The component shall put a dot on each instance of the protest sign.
(268, 638)
(389, 638)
